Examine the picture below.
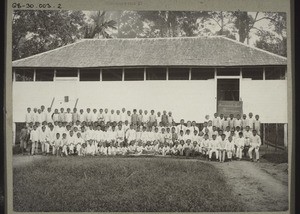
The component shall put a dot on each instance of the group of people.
(93, 133)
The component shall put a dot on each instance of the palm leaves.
(99, 26)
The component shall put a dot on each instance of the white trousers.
(256, 152)
(46, 147)
(239, 153)
(213, 151)
(229, 154)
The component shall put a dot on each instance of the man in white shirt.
(81, 116)
(29, 117)
(88, 115)
(152, 118)
(100, 115)
(43, 138)
(49, 116)
(118, 116)
(123, 115)
(251, 121)
(170, 118)
(120, 135)
(61, 116)
(34, 139)
(216, 121)
(112, 117)
(255, 143)
(94, 116)
(68, 116)
(75, 115)
(213, 147)
(181, 126)
(145, 118)
(106, 116)
(131, 135)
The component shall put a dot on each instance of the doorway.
(228, 89)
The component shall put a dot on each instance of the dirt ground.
(260, 186)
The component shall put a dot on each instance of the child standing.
(255, 143)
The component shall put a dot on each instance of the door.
(228, 97)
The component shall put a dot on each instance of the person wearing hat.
(213, 146)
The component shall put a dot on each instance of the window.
(132, 74)
(44, 74)
(66, 73)
(228, 71)
(178, 73)
(89, 75)
(275, 73)
(156, 73)
(203, 73)
(24, 75)
(253, 73)
(111, 74)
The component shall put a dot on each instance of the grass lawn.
(121, 184)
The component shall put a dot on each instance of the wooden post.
(264, 134)
(167, 74)
(34, 74)
(190, 73)
(14, 134)
(100, 74)
(14, 74)
(285, 126)
(145, 74)
(276, 139)
(264, 73)
(123, 74)
(78, 74)
(54, 78)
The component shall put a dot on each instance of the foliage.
(36, 31)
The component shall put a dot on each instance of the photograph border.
(224, 5)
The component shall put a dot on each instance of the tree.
(99, 26)
(38, 31)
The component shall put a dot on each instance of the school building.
(190, 76)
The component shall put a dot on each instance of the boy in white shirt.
(56, 145)
(257, 124)
(240, 143)
(152, 118)
(50, 137)
(64, 145)
(111, 150)
(213, 147)
(247, 135)
(100, 116)
(216, 120)
(187, 148)
(34, 139)
(68, 116)
(231, 121)
(88, 115)
(225, 123)
(170, 118)
(94, 116)
(251, 121)
(79, 141)
(181, 126)
(61, 116)
(244, 122)
(222, 148)
(81, 116)
(120, 135)
(123, 115)
(238, 121)
(43, 138)
(166, 150)
(145, 118)
(118, 117)
(49, 116)
(71, 142)
(180, 147)
(229, 148)
(255, 143)
(29, 117)
(131, 135)
(75, 115)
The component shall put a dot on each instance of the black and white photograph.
(149, 111)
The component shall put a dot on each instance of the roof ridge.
(256, 48)
(152, 38)
(46, 52)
